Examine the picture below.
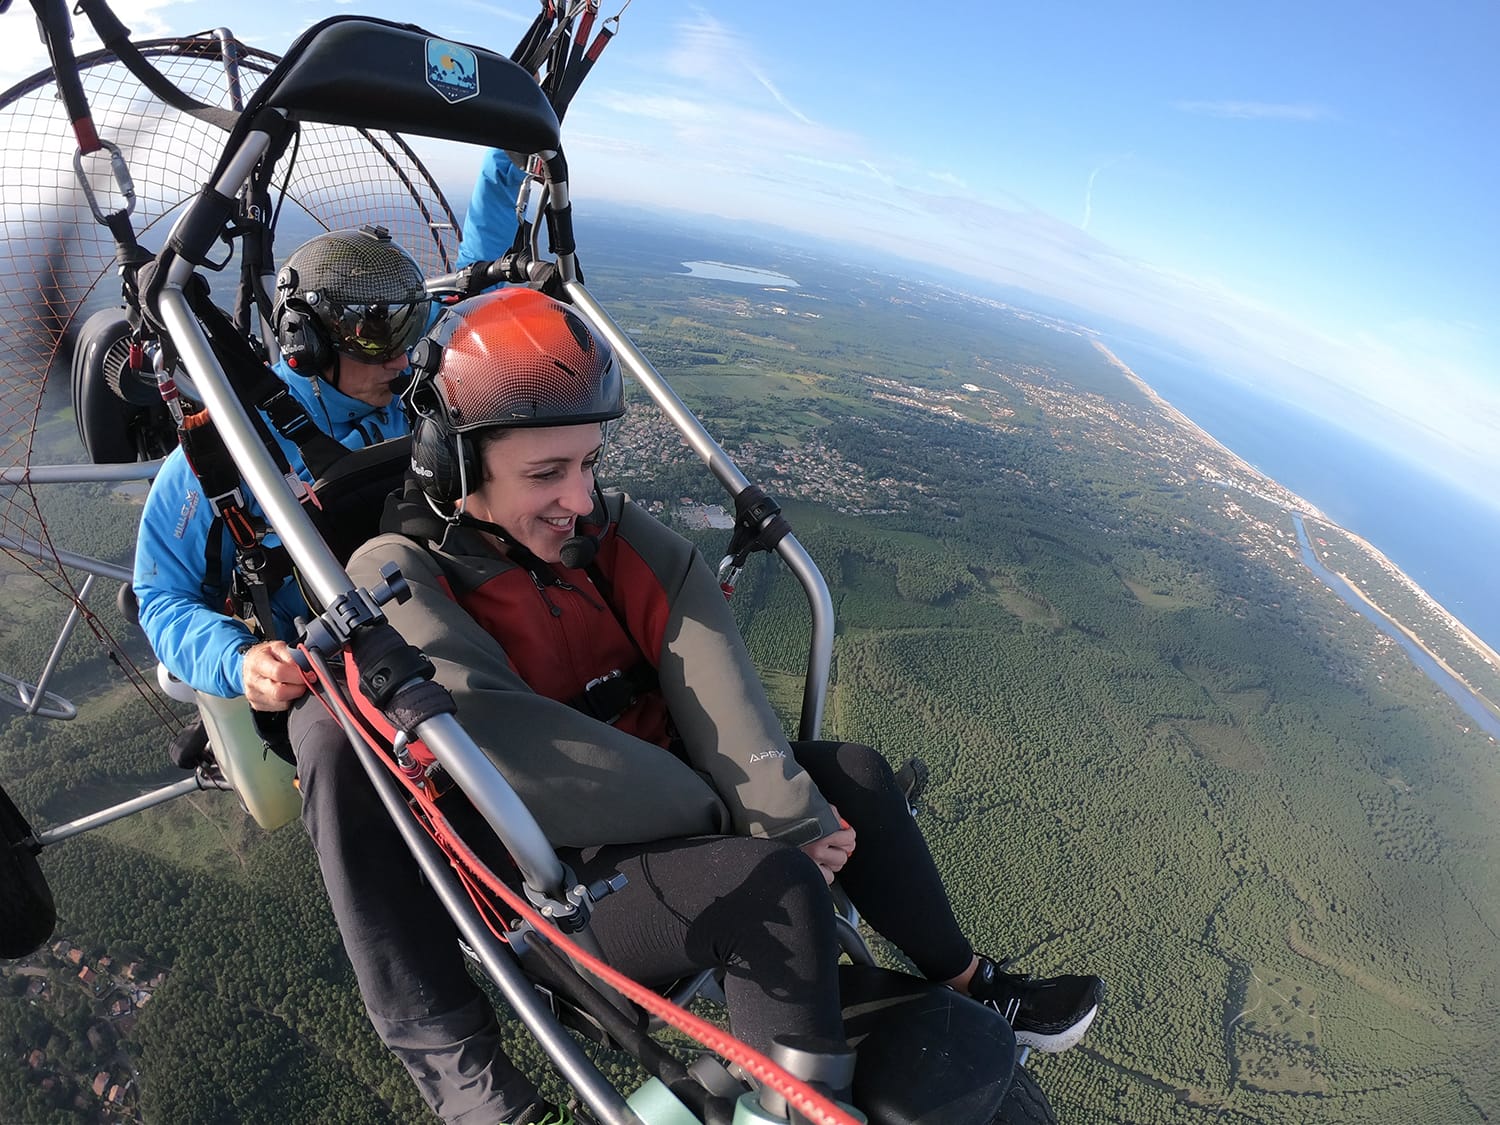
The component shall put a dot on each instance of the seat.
(262, 780)
(351, 494)
(925, 1054)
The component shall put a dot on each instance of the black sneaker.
(911, 779)
(1048, 1015)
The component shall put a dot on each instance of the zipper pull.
(541, 588)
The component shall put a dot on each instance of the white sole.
(1059, 1041)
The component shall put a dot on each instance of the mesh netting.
(57, 259)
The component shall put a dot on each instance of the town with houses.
(1178, 455)
(105, 993)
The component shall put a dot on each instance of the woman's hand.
(833, 850)
(272, 678)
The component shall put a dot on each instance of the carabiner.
(123, 181)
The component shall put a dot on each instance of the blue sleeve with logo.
(193, 637)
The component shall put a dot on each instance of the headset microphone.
(578, 551)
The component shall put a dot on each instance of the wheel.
(27, 913)
(1024, 1103)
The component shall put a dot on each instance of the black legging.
(760, 909)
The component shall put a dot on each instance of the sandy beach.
(1294, 502)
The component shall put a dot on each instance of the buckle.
(233, 498)
(609, 696)
(604, 679)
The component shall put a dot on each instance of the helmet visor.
(375, 332)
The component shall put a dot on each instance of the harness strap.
(582, 62)
(57, 34)
(259, 571)
(256, 385)
(116, 36)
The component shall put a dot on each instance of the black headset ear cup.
(304, 343)
(443, 461)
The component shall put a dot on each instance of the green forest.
(1160, 749)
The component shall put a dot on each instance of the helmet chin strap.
(576, 552)
(518, 552)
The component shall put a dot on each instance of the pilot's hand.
(272, 678)
(833, 850)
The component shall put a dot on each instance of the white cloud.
(780, 99)
(708, 129)
(24, 53)
(671, 109)
(1088, 193)
(719, 138)
(949, 179)
(1258, 111)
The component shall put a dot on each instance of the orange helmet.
(518, 358)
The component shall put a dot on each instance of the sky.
(1303, 195)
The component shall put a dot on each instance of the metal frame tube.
(820, 602)
(472, 769)
(63, 636)
(67, 558)
(577, 1069)
(93, 820)
(229, 52)
(16, 475)
(51, 705)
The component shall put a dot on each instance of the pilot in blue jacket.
(348, 305)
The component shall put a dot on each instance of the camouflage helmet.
(351, 292)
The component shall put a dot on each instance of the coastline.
(1295, 503)
(1465, 634)
(1181, 420)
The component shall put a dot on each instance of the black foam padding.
(926, 1054)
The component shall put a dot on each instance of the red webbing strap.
(479, 879)
(581, 34)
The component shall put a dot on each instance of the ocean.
(1445, 540)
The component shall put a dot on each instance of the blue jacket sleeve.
(198, 643)
(490, 222)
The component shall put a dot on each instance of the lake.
(743, 275)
